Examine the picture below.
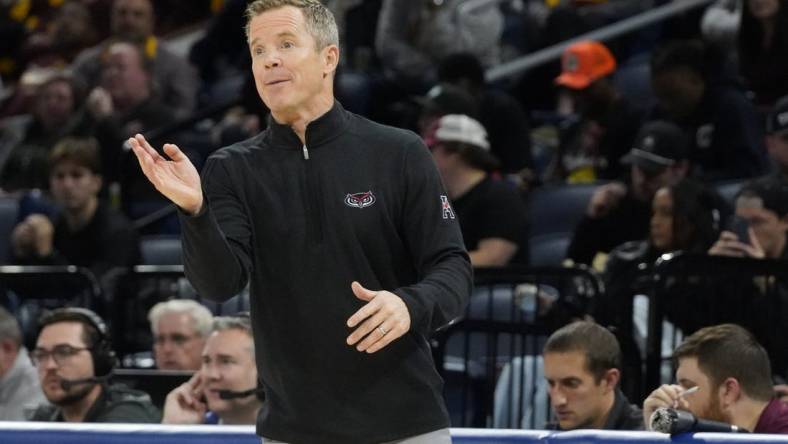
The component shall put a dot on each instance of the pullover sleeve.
(432, 235)
(217, 241)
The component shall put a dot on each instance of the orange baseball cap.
(584, 62)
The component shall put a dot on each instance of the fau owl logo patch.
(360, 200)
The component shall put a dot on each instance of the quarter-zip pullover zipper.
(314, 211)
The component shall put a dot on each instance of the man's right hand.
(605, 199)
(665, 396)
(176, 179)
(184, 405)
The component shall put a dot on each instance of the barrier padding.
(46, 433)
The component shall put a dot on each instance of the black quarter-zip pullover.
(300, 222)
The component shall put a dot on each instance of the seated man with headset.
(225, 388)
(74, 359)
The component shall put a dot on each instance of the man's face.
(645, 183)
(679, 91)
(73, 186)
(445, 160)
(176, 345)
(577, 399)
(777, 145)
(227, 364)
(661, 229)
(123, 74)
(8, 353)
(763, 9)
(132, 19)
(75, 362)
(769, 229)
(291, 75)
(705, 403)
(55, 104)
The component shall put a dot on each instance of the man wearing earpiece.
(74, 358)
(224, 390)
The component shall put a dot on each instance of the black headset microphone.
(230, 394)
(674, 421)
(68, 384)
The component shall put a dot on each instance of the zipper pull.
(306, 153)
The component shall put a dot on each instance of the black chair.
(729, 188)
(9, 209)
(558, 209)
(161, 250)
(548, 250)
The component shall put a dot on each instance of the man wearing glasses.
(180, 328)
(74, 359)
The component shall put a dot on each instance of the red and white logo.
(448, 212)
(360, 200)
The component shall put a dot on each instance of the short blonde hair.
(320, 22)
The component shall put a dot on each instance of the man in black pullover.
(344, 231)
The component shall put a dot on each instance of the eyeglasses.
(61, 354)
(176, 338)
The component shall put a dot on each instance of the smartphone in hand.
(740, 227)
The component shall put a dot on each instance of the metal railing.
(617, 29)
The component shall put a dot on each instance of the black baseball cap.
(778, 119)
(659, 144)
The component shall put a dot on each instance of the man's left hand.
(383, 319)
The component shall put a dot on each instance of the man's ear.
(611, 378)
(331, 59)
(729, 392)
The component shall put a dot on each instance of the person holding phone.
(759, 227)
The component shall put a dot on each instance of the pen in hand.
(689, 391)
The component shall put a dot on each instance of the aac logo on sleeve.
(448, 212)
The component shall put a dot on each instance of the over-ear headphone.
(104, 358)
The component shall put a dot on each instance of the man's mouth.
(276, 82)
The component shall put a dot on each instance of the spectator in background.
(228, 368)
(58, 43)
(179, 327)
(734, 380)
(491, 212)
(684, 217)
(20, 390)
(763, 204)
(777, 138)
(74, 358)
(618, 212)
(607, 123)
(443, 99)
(582, 366)
(414, 36)
(694, 90)
(124, 104)
(763, 45)
(87, 232)
(763, 207)
(503, 116)
(133, 20)
(27, 142)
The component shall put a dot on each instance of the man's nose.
(272, 60)
(212, 372)
(557, 398)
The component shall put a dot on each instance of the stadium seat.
(161, 250)
(8, 215)
(548, 249)
(729, 188)
(558, 209)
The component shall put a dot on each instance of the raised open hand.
(176, 179)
